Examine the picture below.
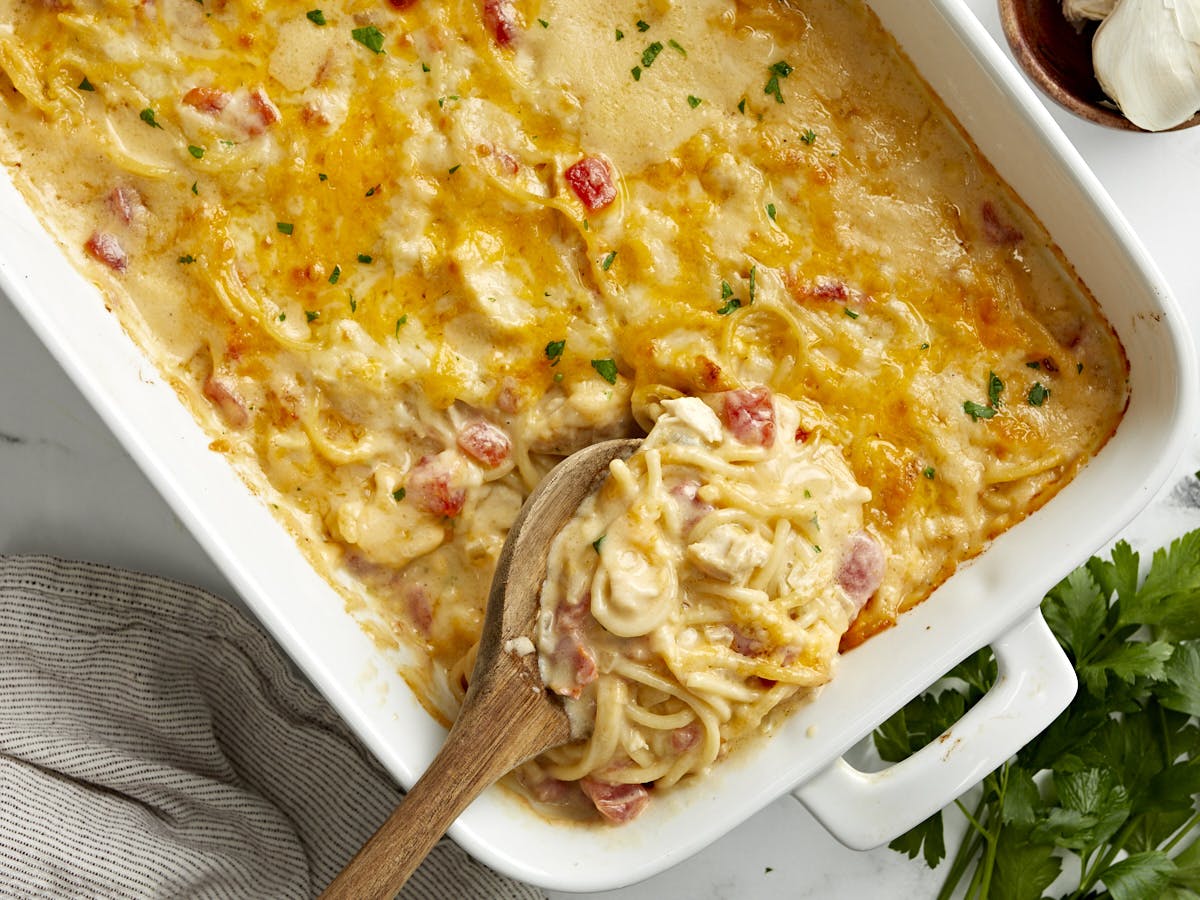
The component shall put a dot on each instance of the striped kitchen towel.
(154, 743)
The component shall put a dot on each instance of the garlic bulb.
(1079, 10)
(1147, 59)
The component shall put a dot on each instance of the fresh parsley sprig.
(1113, 781)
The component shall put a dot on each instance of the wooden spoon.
(1058, 57)
(508, 716)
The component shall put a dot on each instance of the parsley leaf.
(554, 351)
(977, 411)
(606, 368)
(147, 116)
(316, 16)
(1117, 773)
(370, 37)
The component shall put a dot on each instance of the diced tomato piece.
(430, 488)
(420, 610)
(616, 802)
(579, 661)
(690, 506)
(550, 790)
(125, 202)
(995, 229)
(207, 99)
(500, 17)
(862, 569)
(107, 249)
(227, 401)
(485, 442)
(262, 107)
(592, 181)
(750, 416)
(685, 738)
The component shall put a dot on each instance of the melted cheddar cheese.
(400, 257)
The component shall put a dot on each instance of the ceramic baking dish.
(993, 600)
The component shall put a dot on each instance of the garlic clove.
(1077, 11)
(1148, 61)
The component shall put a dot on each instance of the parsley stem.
(993, 839)
(967, 850)
(1182, 833)
(1104, 860)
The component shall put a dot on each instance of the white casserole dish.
(992, 600)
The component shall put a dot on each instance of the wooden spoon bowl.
(1058, 57)
(507, 716)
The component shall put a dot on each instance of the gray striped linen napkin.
(154, 743)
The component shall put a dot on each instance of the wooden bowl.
(1058, 57)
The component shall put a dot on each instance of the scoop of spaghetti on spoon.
(507, 716)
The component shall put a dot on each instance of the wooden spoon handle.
(387, 860)
(509, 724)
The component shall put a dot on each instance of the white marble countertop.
(68, 488)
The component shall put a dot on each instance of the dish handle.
(867, 809)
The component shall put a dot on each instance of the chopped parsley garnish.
(1078, 368)
(370, 37)
(771, 211)
(929, 472)
(315, 16)
(636, 72)
(554, 351)
(742, 106)
(195, 189)
(335, 274)
(642, 25)
(779, 70)
(694, 101)
(86, 85)
(851, 313)
(399, 494)
(977, 411)
(607, 262)
(598, 542)
(809, 137)
(424, 67)
(454, 168)
(543, 23)
(400, 323)
(731, 302)
(321, 176)
(282, 317)
(650, 54)
(995, 389)
(371, 192)
(1033, 365)
(620, 35)
(1038, 394)
(353, 302)
(606, 368)
(285, 227)
(197, 152)
(147, 116)
(442, 100)
(187, 259)
(753, 274)
(312, 314)
(924, 345)
(365, 259)
(674, 45)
